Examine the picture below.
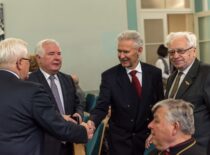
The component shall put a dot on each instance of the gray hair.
(189, 36)
(12, 49)
(131, 35)
(39, 47)
(178, 111)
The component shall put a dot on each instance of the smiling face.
(161, 129)
(128, 54)
(181, 60)
(51, 60)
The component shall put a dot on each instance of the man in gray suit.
(191, 81)
(25, 107)
(49, 58)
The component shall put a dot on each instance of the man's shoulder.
(34, 75)
(29, 86)
(64, 75)
(147, 66)
(113, 70)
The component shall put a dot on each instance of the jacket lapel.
(43, 81)
(188, 80)
(64, 92)
(170, 82)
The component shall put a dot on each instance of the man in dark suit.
(172, 129)
(25, 108)
(194, 83)
(48, 55)
(130, 97)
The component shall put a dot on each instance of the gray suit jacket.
(195, 88)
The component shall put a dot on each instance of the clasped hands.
(89, 126)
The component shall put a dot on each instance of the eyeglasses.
(171, 52)
(29, 60)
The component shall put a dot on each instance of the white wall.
(86, 30)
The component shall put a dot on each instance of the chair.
(147, 151)
(93, 147)
(90, 102)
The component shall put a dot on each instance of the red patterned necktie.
(135, 82)
(166, 153)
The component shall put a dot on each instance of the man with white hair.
(131, 88)
(191, 81)
(61, 89)
(172, 129)
(25, 108)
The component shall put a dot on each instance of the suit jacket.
(188, 147)
(25, 113)
(71, 104)
(195, 88)
(130, 114)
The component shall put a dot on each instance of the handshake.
(89, 126)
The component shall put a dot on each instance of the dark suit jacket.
(71, 104)
(25, 113)
(189, 147)
(130, 114)
(195, 88)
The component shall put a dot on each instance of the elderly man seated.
(172, 129)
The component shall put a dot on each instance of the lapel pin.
(187, 83)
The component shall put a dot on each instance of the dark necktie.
(55, 92)
(176, 85)
(135, 82)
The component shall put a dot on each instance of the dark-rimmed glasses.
(171, 52)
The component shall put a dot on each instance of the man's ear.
(18, 64)
(38, 58)
(140, 49)
(176, 128)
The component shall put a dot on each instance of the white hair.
(178, 111)
(189, 36)
(39, 48)
(12, 49)
(131, 35)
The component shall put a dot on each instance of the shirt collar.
(181, 146)
(138, 69)
(46, 75)
(187, 69)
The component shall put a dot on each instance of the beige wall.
(86, 30)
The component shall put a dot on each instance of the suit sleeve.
(103, 102)
(207, 91)
(160, 92)
(78, 106)
(46, 116)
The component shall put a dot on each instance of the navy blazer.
(25, 112)
(195, 88)
(130, 114)
(71, 104)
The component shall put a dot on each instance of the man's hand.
(78, 115)
(68, 118)
(91, 125)
(148, 141)
(89, 130)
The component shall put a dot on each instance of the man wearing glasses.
(191, 81)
